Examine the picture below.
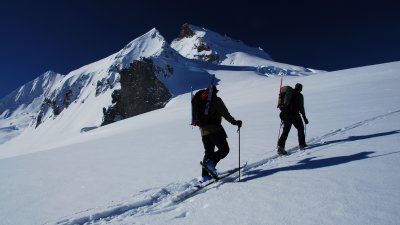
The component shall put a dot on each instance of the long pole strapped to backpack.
(210, 93)
(279, 99)
(280, 92)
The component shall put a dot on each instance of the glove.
(306, 120)
(282, 116)
(239, 123)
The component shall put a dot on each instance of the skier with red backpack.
(291, 104)
(207, 112)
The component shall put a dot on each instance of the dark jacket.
(217, 111)
(296, 106)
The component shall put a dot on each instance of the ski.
(222, 175)
(201, 188)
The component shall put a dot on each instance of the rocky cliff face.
(140, 92)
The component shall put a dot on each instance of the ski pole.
(239, 152)
(305, 130)
(191, 106)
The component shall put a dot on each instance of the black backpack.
(285, 97)
(201, 107)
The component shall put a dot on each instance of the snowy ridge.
(19, 107)
(26, 95)
(206, 42)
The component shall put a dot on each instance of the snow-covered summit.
(150, 44)
(206, 45)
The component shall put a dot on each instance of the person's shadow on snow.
(308, 164)
(313, 163)
(354, 138)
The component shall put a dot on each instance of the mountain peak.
(149, 44)
(50, 73)
(202, 44)
(152, 33)
(186, 31)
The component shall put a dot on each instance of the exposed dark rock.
(38, 120)
(99, 87)
(67, 98)
(52, 104)
(104, 84)
(87, 129)
(140, 92)
(186, 32)
(111, 115)
(116, 96)
(46, 105)
(211, 58)
(203, 47)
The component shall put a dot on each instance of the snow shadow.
(309, 164)
(312, 163)
(354, 138)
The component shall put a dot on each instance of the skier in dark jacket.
(213, 134)
(291, 116)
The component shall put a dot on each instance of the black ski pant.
(210, 141)
(296, 121)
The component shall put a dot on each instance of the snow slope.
(130, 172)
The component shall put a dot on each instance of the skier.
(213, 134)
(291, 115)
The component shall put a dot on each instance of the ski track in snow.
(165, 199)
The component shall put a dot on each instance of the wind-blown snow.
(133, 171)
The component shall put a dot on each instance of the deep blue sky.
(37, 36)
